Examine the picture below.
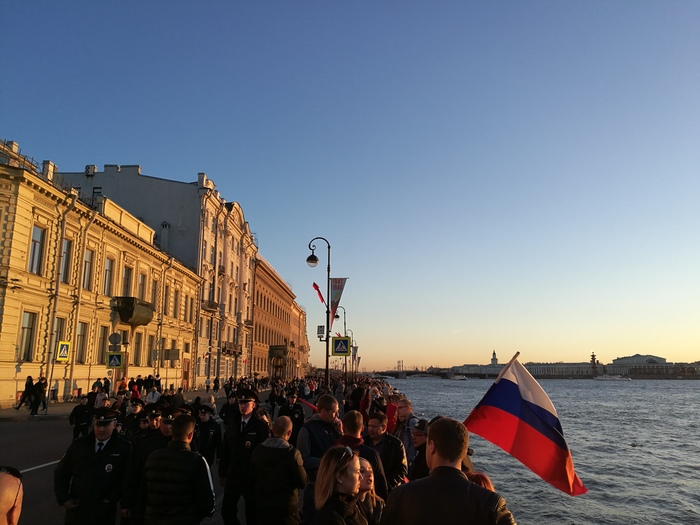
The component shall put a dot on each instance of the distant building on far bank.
(636, 366)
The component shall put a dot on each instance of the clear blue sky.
(509, 176)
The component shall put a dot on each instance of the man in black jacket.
(446, 496)
(90, 479)
(244, 433)
(80, 417)
(390, 450)
(278, 475)
(176, 482)
(295, 412)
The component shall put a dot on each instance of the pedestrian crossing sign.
(115, 360)
(341, 346)
(63, 351)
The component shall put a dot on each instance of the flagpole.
(512, 359)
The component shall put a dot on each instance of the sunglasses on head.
(347, 454)
(15, 474)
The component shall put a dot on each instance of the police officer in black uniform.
(294, 411)
(131, 422)
(245, 432)
(207, 437)
(89, 480)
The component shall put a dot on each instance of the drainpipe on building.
(56, 283)
(215, 283)
(200, 296)
(78, 290)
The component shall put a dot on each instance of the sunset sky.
(508, 176)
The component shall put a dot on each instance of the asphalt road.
(35, 444)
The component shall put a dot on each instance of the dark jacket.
(177, 487)
(81, 415)
(278, 475)
(315, 437)
(294, 412)
(341, 509)
(237, 449)
(208, 438)
(372, 513)
(371, 455)
(393, 457)
(446, 497)
(95, 480)
(419, 468)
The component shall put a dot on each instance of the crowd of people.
(33, 395)
(361, 458)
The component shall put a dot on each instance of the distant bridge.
(403, 374)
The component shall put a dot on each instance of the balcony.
(210, 306)
(132, 311)
(231, 349)
(249, 323)
(222, 269)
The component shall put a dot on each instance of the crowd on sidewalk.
(303, 453)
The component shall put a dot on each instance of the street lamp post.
(312, 261)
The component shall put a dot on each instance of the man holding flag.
(446, 496)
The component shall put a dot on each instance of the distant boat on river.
(606, 377)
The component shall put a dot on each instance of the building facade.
(198, 227)
(280, 343)
(87, 274)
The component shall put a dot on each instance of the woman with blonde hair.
(337, 487)
(369, 503)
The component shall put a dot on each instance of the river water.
(635, 445)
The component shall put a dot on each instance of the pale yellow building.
(280, 343)
(80, 271)
(194, 223)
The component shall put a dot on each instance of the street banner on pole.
(337, 286)
(341, 346)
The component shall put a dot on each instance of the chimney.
(48, 169)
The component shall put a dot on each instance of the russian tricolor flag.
(517, 416)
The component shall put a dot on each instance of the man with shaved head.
(278, 475)
(11, 495)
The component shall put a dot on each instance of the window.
(125, 336)
(67, 250)
(166, 301)
(36, 251)
(138, 349)
(102, 345)
(213, 255)
(191, 318)
(154, 292)
(126, 281)
(142, 286)
(204, 249)
(176, 304)
(27, 335)
(59, 330)
(174, 354)
(109, 276)
(81, 343)
(87, 269)
(151, 349)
